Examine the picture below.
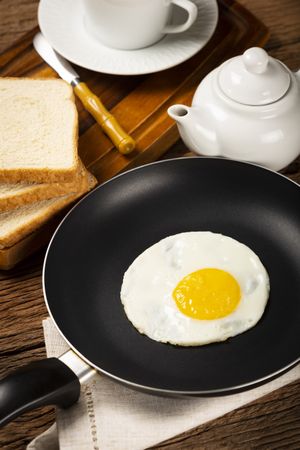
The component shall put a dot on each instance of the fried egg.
(195, 288)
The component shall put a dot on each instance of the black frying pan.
(105, 232)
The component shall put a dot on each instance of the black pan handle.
(45, 382)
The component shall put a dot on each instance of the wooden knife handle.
(124, 143)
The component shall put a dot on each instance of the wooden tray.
(139, 102)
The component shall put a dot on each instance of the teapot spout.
(178, 113)
(195, 130)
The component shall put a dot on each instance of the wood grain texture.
(153, 130)
(138, 103)
(271, 422)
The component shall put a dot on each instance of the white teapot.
(247, 109)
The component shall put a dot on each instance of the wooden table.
(272, 422)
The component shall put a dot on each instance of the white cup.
(133, 24)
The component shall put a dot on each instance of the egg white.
(147, 287)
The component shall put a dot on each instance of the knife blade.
(124, 143)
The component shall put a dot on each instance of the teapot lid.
(255, 78)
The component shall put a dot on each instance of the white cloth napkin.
(109, 416)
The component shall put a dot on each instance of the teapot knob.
(256, 60)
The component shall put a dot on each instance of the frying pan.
(109, 228)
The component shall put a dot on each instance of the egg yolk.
(207, 294)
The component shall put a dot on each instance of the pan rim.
(147, 388)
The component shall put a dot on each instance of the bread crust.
(43, 191)
(45, 175)
(24, 230)
(35, 175)
(15, 241)
(10, 256)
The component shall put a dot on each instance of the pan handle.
(40, 383)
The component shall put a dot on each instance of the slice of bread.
(38, 130)
(19, 223)
(10, 256)
(19, 194)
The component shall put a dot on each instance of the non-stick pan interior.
(102, 236)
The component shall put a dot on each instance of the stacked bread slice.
(40, 171)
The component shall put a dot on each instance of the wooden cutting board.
(138, 102)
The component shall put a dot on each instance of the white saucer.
(61, 22)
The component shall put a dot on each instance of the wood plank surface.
(271, 422)
(153, 130)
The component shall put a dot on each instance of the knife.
(124, 143)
